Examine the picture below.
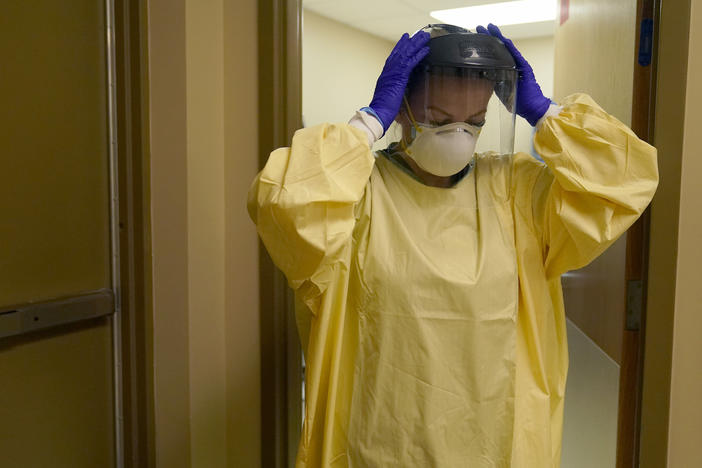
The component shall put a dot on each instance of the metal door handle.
(37, 316)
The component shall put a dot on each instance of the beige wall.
(169, 234)
(241, 262)
(340, 66)
(206, 250)
(203, 112)
(539, 51)
(685, 431)
(598, 56)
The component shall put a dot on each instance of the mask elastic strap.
(412, 121)
(409, 112)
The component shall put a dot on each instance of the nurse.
(427, 275)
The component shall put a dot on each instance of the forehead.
(454, 92)
(440, 85)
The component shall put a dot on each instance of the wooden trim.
(630, 381)
(280, 114)
(134, 223)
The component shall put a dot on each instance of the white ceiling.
(389, 19)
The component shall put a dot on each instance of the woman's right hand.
(390, 88)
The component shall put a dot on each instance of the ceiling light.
(501, 14)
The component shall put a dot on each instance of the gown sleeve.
(303, 202)
(598, 179)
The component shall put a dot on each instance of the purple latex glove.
(531, 102)
(390, 88)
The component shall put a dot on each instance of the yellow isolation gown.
(432, 318)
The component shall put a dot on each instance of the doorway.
(357, 44)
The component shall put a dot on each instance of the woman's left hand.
(531, 102)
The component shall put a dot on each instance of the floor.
(592, 392)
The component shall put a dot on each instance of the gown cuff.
(369, 124)
(553, 109)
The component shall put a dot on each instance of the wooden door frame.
(637, 247)
(280, 114)
(133, 169)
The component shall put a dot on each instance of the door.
(58, 254)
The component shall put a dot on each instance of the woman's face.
(446, 99)
(441, 101)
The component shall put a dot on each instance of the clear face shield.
(451, 113)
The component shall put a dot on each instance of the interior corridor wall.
(203, 126)
(241, 293)
(169, 231)
(594, 51)
(539, 52)
(340, 66)
(671, 414)
(685, 431)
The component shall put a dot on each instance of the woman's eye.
(441, 123)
